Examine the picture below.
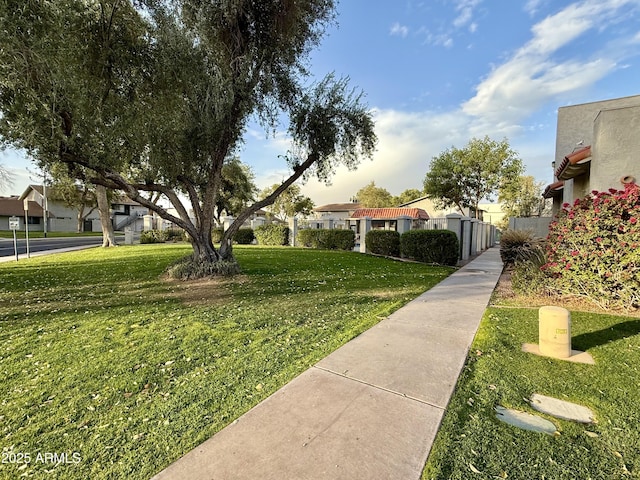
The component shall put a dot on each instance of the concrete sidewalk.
(371, 409)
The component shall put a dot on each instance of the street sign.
(14, 223)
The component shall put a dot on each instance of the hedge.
(383, 242)
(152, 236)
(327, 239)
(272, 234)
(430, 246)
(244, 236)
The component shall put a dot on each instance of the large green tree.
(289, 203)
(522, 197)
(407, 196)
(371, 196)
(237, 190)
(78, 196)
(166, 93)
(462, 177)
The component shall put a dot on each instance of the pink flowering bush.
(593, 248)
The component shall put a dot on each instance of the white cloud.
(532, 76)
(407, 141)
(399, 30)
(533, 6)
(465, 9)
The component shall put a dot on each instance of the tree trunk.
(80, 224)
(108, 238)
(203, 249)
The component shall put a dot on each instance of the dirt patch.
(207, 291)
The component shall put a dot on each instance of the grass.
(38, 234)
(124, 373)
(473, 444)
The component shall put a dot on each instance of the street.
(44, 244)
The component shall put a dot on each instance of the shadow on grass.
(619, 331)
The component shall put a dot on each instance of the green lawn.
(473, 444)
(103, 362)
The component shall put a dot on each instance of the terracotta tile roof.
(338, 207)
(574, 164)
(391, 213)
(553, 190)
(10, 206)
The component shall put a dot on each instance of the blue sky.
(437, 73)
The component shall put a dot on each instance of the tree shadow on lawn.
(619, 331)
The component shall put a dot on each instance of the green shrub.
(518, 245)
(383, 242)
(175, 235)
(244, 236)
(430, 246)
(593, 248)
(308, 237)
(272, 234)
(337, 239)
(152, 236)
(188, 268)
(327, 239)
(216, 235)
(528, 277)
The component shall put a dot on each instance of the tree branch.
(265, 202)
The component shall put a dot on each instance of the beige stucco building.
(597, 147)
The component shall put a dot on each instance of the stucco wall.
(576, 123)
(610, 127)
(616, 149)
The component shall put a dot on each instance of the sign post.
(26, 224)
(14, 224)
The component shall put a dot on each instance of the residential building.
(60, 218)
(429, 206)
(333, 215)
(596, 148)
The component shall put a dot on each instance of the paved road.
(44, 244)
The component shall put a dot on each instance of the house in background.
(333, 215)
(396, 219)
(60, 218)
(429, 206)
(14, 207)
(596, 149)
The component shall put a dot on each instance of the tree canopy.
(151, 96)
(462, 177)
(407, 196)
(6, 179)
(371, 196)
(289, 203)
(522, 197)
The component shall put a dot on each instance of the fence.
(473, 235)
(538, 225)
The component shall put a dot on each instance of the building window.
(34, 220)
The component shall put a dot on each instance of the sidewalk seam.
(378, 387)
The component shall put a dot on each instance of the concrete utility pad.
(576, 355)
(319, 426)
(562, 409)
(525, 420)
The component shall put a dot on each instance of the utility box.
(128, 236)
(555, 332)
